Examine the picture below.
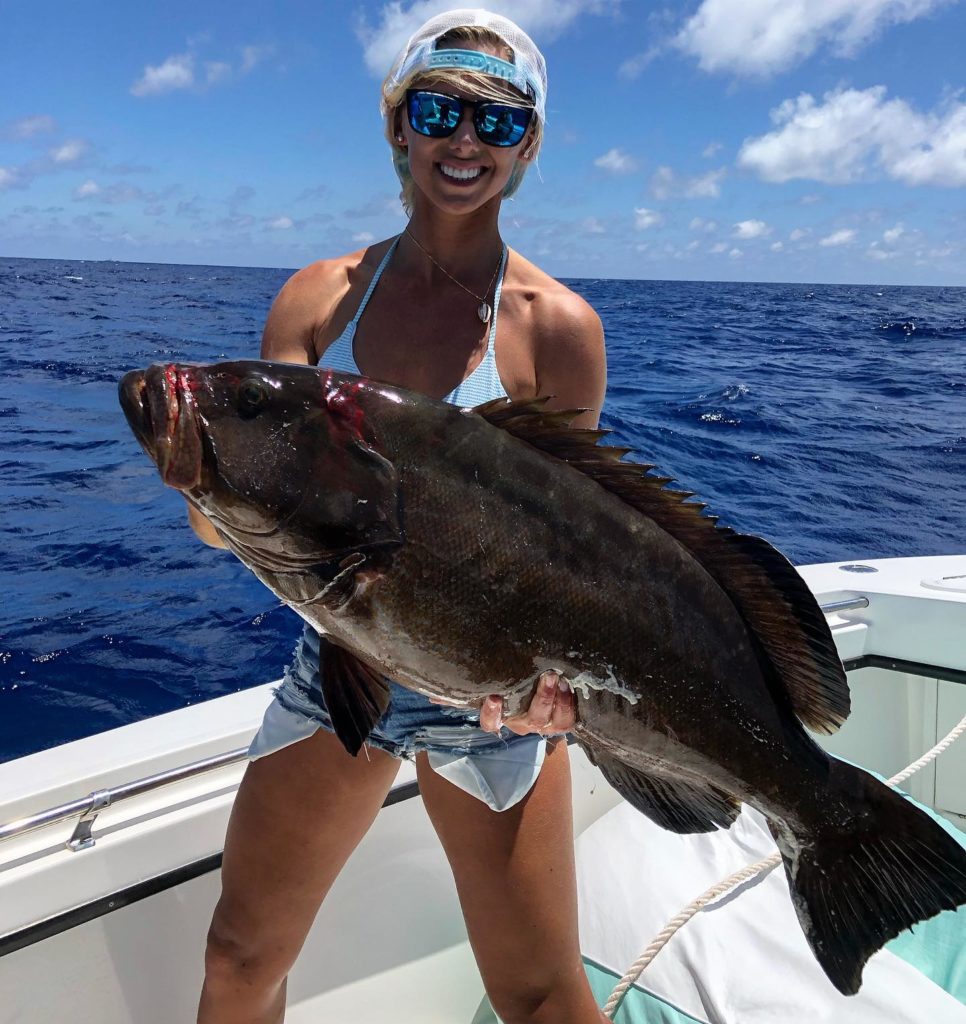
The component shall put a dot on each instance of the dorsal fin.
(769, 594)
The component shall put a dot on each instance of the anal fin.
(355, 695)
(679, 806)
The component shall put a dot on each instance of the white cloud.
(176, 72)
(764, 37)
(254, 55)
(718, 247)
(751, 229)
(362, 237)
(734, 254)
(69, 152)
(634, 66)
(853, 132)
(7, 177)
(28, 127)
(616, 161)
(892, 235)
(700, 224)
(875, 253)
(665, 183)
(592, 226)
(216, 71)
(711, 149)
(645, 218)
(796, 234)
(841, 237)
(281, 223)
(119, 192)
(543, 18)
(777, 246)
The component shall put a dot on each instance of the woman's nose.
(465, 131)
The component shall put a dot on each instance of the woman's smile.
(460, 175)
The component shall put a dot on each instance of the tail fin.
(855, 890)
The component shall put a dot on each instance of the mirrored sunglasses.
(437, 115)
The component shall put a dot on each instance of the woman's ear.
(397, 129)
(529, 150)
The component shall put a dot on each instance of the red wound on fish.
(171, 397)
(341, 402)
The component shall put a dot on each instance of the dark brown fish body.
(463, 553)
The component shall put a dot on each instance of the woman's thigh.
(298, 815)
(515, 874)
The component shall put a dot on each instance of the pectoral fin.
(356, 696)
(680, 806)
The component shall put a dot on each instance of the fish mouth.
(160, 408)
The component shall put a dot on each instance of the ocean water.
(829, 419)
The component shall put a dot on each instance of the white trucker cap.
(528, 72)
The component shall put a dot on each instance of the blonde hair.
(473, 82)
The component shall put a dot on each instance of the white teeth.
(459, 173)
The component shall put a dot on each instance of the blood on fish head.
(279, 456)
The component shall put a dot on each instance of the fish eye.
(252, 396)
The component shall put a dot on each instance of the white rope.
(677, 922)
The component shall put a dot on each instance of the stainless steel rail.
(90, 806)
(845, 604)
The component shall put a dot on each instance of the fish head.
(282, 458)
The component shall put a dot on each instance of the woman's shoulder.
(332, 277)
(550, 305)
(567, 340)
(313, 298)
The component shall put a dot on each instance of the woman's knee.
(234, 957)
(564, 998)
(533, 1007)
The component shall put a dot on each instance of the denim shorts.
(497, 768)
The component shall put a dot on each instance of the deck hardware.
(82, 838)
(88, 807)
(858, 567)
(845, 604)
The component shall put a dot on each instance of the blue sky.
(760, 140)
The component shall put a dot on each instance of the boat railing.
(90, 806)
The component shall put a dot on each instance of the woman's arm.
(571, 367)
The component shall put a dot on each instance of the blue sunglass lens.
(433, 114)
(500, 125)
(437, 115)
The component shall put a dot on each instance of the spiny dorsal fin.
(767, 591)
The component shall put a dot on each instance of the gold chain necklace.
(484, 311)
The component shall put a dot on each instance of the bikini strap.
(375, 280)
(496, 299)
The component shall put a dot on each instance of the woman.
(464, 111)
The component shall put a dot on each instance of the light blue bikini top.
(482, 385)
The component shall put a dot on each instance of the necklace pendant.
(484, 312)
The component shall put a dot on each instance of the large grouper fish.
(463, 552)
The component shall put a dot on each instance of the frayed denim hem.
(461, 738)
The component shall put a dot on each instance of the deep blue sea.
(829, 419)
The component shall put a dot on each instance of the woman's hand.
(551, 710)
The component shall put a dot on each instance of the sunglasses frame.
(476, 106)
